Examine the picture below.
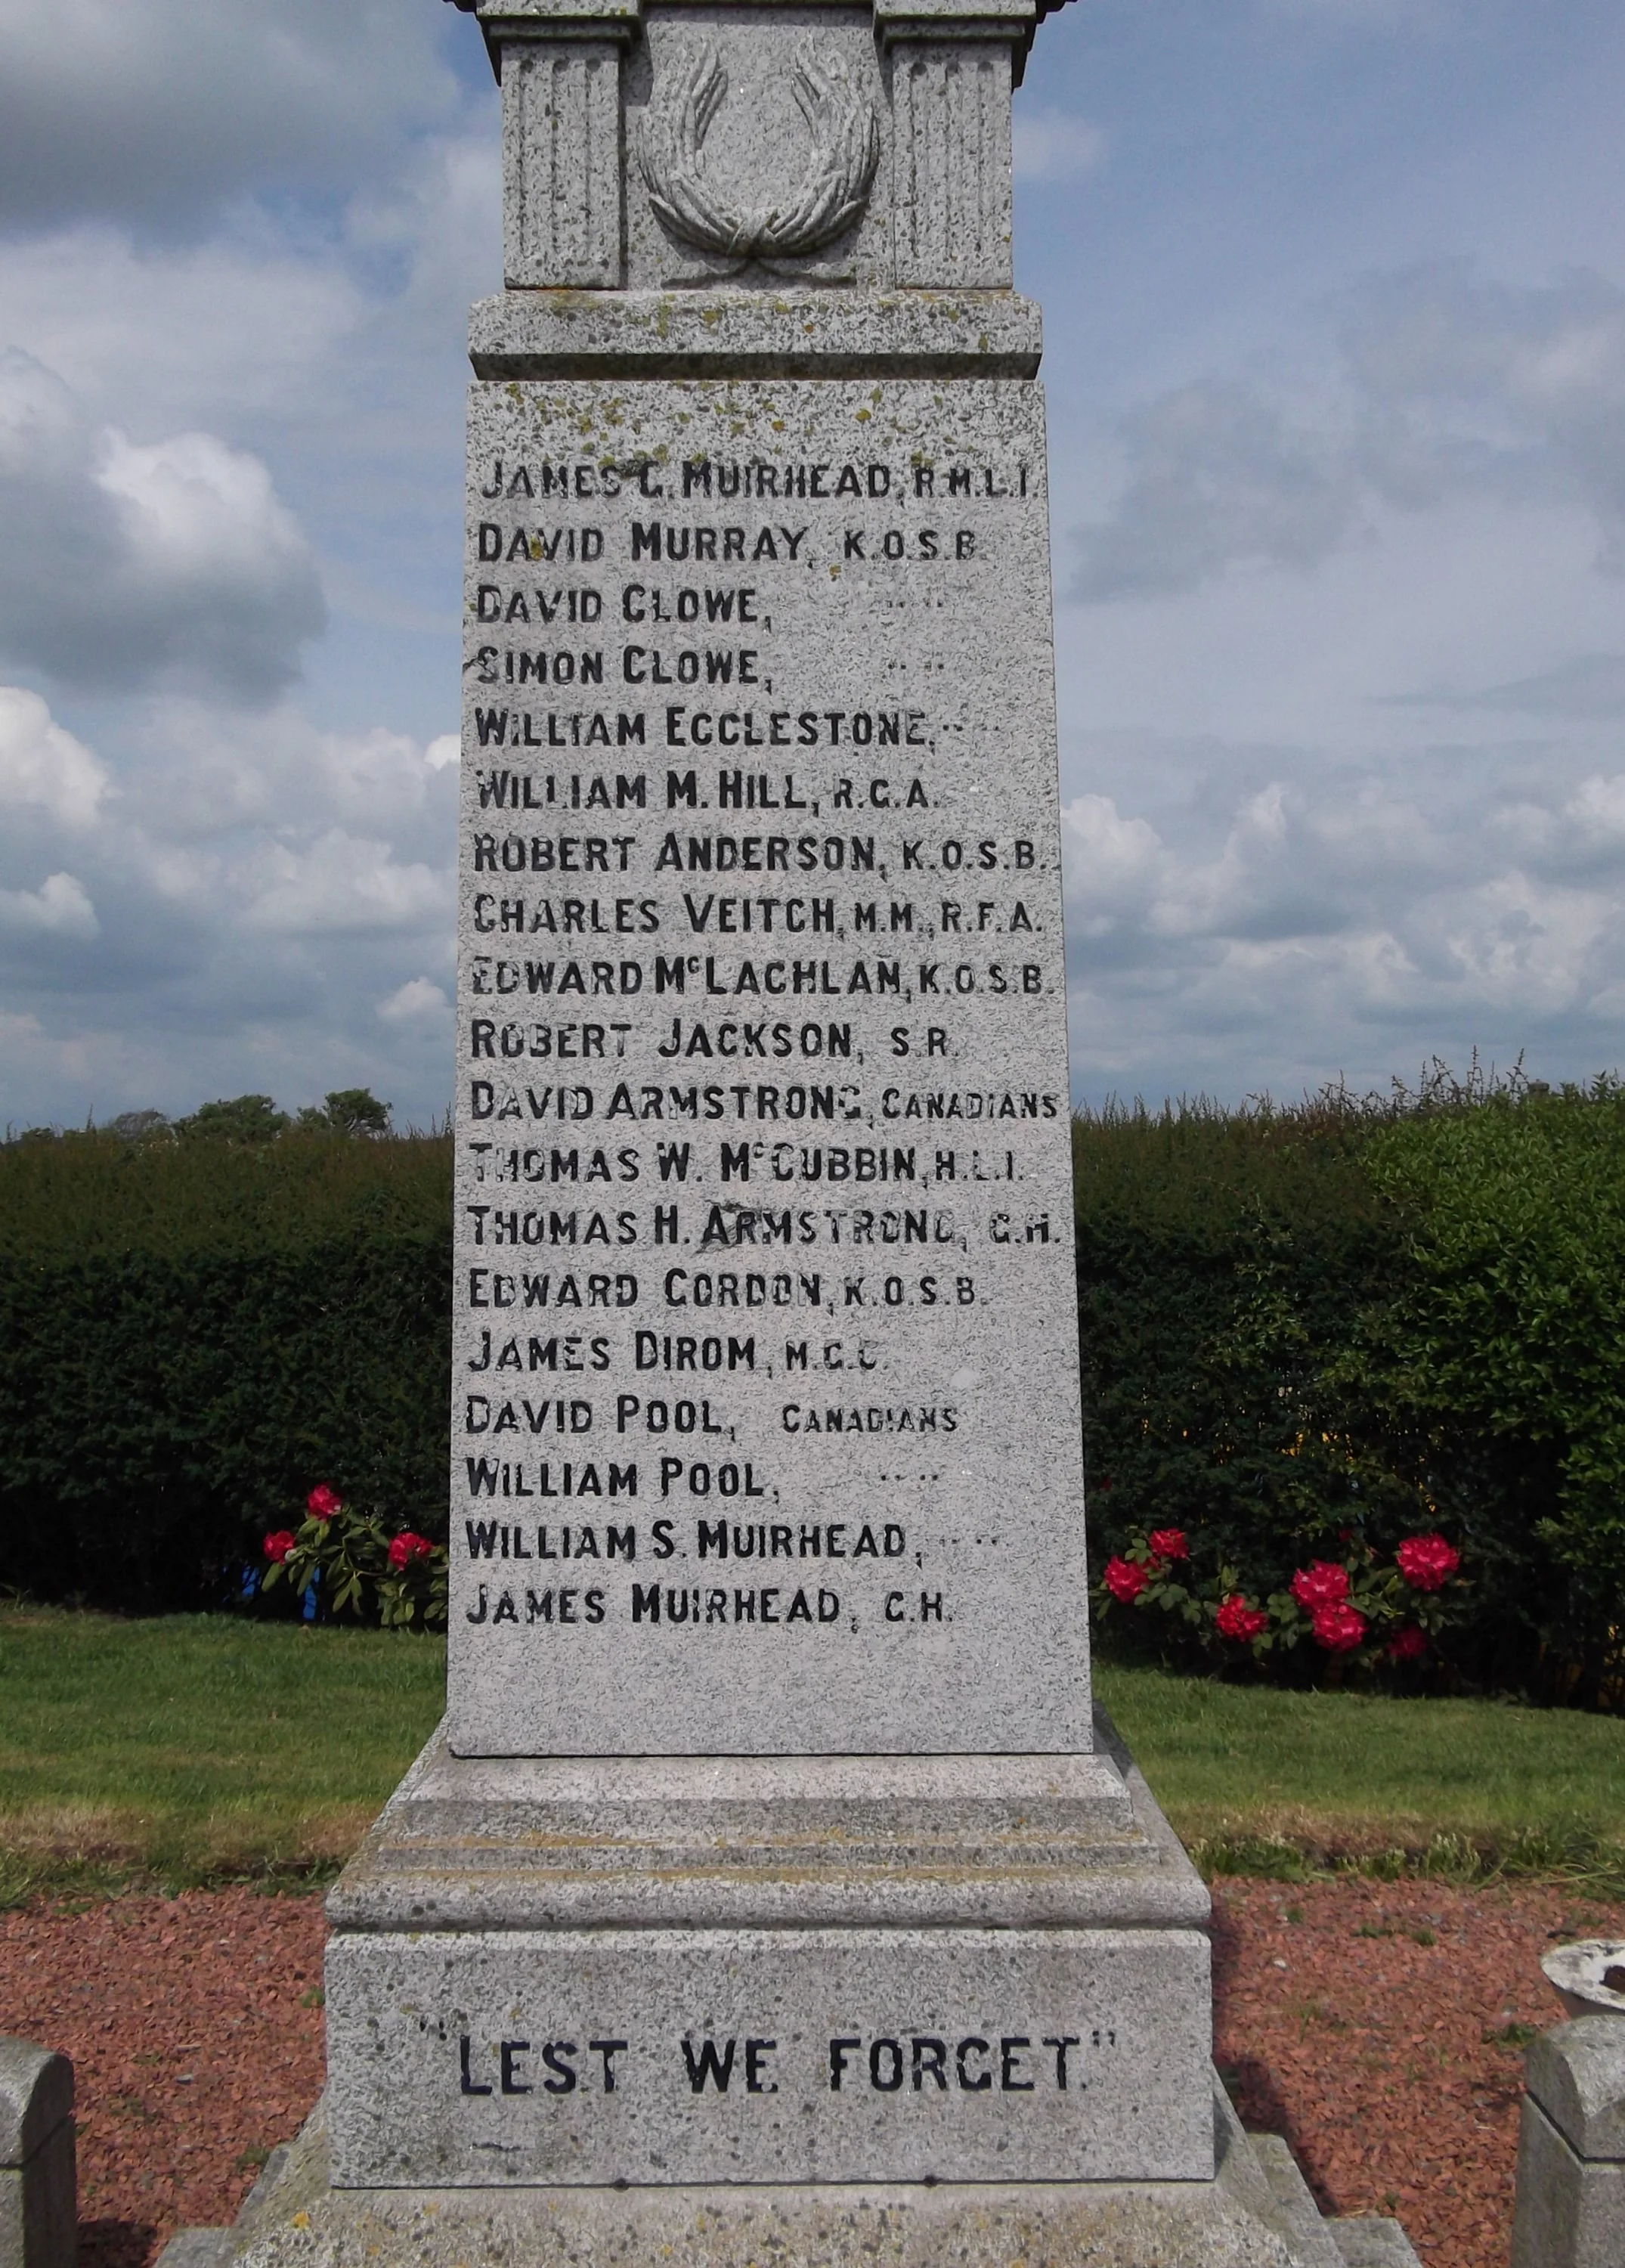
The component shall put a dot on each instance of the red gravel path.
(193, 2049)
(1352, 2018)
(1356, 2029)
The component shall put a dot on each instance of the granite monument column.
(770, 1880)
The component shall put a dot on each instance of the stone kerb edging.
(1570, 2208)
(38, 2193)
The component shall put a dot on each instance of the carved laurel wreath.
(832, 191)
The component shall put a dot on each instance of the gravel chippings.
(1358, 2019)
(1376, 2025)
(194, 2025)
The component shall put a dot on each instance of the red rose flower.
(1124, 1579)
(279, 1544)
(1323, 1585)
(1427, 1562)
(1339, 1628)
(1237, 1620)
(1169, 1544)
(406, 1547)
(323, 1502)
(1407, 1645)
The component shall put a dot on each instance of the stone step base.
(1257, 2212)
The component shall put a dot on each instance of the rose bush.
(1360, 1612)
(356, 1568)
(1427, 1562)
(1125, 1580)
(1339, 1628)
(1233, 1618)
(1322, 1585)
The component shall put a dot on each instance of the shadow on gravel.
(1248, 2080)
(117, 2243)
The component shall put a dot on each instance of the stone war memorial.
(770, 1889)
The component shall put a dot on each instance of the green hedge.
(1342, 1321)
(191, 1334)
(1294, 1324)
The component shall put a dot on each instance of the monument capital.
(1011, 20)
(758, 143)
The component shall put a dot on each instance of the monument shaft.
(767, 1425)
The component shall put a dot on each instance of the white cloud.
(1454, 386)
(1113, 865)
(1313, 922)
(1597, 810)
(1587, 685)
(418, 1001)
(1050, 145)
(164, 335)
(60, 907)
(42, 765)
(122, 564)
(341, 883)
(33, 1063)
(1216, 477)
(447, 750)
(209, 772)
(162, 112)
(254, 896)
(229, 586)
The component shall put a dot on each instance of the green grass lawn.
(1357, 1771)
(200, 1746)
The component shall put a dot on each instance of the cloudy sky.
(1336, 307)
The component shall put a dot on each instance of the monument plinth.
(770, 1880)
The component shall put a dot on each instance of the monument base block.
(777, 1970)
(299, 2219)
(685, 2056)
(825, 2012)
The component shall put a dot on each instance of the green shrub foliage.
(1313, 1332)
(194, 1330)
(1502, 1348)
